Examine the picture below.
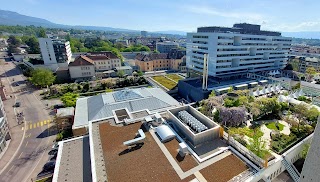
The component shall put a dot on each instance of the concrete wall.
(198, 138)
(79, 71)
(20, 57)
(190, 92)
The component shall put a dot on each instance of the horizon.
(184, 16)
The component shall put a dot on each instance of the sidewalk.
(15, 129)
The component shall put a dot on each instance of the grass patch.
(45, 179)
(272, 126)
(165, 82)
(174, 77)
(246, 131)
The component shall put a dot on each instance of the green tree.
(69, 99)
(42, 77)
(120, 73)
(212, 94)
(258, 146)
(304, 151)
(230, 90)
(33, 44)
(300, 111)
(311, 71)
(42, 33)
(155, 51)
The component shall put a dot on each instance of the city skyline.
(178, 15)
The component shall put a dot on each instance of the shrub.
(282, 141)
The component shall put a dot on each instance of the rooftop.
(243, 28)
(102, 55)
(82, 61)
(78, 151)
(151, 56)
(103, 106)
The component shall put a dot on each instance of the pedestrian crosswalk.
(31, 125)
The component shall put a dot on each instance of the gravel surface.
(224, 170)
(186, 163)
(143, 163)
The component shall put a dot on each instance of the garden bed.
(169, 84)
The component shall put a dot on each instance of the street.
(30, 155)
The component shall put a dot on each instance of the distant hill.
(13, 18)
(304, 35)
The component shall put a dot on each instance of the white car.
(55, 146)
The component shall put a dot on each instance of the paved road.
(32, 153)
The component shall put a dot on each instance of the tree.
(311, 71)
(33, 44)
(312, 114)
(121, 73)
(288, 67)
(300, 110)
(155, 51)
(230, 89)
(42, 33)
(212, 94)
(305, 150)
(69, 99)
(42, 77)
(258, 146)
(233, 116)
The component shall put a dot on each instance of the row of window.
(200, 42)
(199, 36)
(104, 62)
(85, 68)
(86, 73)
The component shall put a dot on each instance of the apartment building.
(165, 47)
(95, 64)
(305, 62)
(239, 49)
(55, 52)
(156, 62)
(82, 68)
(4, 129)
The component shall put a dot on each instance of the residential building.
(123, 42)
(240, 49)
(55, 52)
(305, 62)
(144, 33)
(165, 47)
(157, 61)
(3, 44)
(82, 68)
(4, 129)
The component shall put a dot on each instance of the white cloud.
(242, 16)
(302, 26)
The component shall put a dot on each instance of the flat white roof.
(242, 85)
(263, 81)
(222, 89)
(252, 83)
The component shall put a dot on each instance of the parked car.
(49, 166)
(58, 106)
(53, 152)
(55, 146)
(17, 104)
(53, 158)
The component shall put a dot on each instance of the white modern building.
(55, 53)
(239, 49)
(165, 47)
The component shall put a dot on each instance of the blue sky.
(182, 15)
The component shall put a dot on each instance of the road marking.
(38, 124)
(27, 143)
(34, 125)
(22, 128)
(45, 121)
(30, 126)
(41, 123)
(20, 155)
(10, 169)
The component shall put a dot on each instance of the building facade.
(239, 49)
(4, 129)
(156, 62)
(55, 52)
(165, 47)
(82, 68)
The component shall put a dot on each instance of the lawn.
(174, 77)
(272, 126)
(245, 131)
(165, 82)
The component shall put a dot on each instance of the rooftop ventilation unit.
(191, 121)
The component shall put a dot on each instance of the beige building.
(82, 68)
(156, 61)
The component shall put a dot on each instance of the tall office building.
(55, 52)
(165, 47)
(239, 49)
